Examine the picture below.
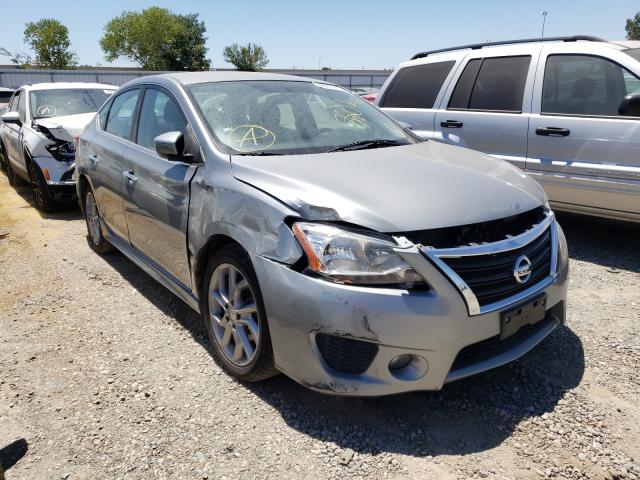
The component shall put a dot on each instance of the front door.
(157, 189)
(580, 149)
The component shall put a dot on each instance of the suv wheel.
(96, 239)
(234, 314)
(44, 202)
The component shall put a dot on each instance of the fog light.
(399, 362)
(408, 367)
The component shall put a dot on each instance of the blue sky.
(344, 34)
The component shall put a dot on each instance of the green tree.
(633, 27)
(49, 40)
(246, 58)
(157, 39)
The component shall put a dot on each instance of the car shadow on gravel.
(610, 243)
(471, 415)
(69, 211)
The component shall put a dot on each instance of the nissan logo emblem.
(522, 269)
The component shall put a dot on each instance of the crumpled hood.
(66, 127)
(396, 189)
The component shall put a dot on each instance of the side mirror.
(170, 144)
(630, 105)
(12, 117)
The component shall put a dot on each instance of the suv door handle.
(553, 131)
(128, 174)
(93, 158)
(451, 124)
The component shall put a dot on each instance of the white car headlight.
(348, 257)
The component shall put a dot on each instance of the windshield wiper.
(260, 153)
(364, 144)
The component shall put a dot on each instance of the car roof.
(190, 78)
(69, 85)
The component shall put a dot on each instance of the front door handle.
(93, 158)
(553, 131)
(451, 124)
(128, 174)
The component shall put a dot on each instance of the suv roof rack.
(476, 46)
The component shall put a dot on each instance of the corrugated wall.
(14, 78)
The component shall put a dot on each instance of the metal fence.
(14, 78)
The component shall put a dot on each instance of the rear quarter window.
(417, 86)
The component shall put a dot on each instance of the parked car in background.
(318, 237)
(5, 96)
(566, 110)
(37, 136)
(370, 97)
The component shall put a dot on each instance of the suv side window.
(159, 114)
(13, 107)
(22, 107)
(492, 84)
(585, 85)
(120, 118)
(416, 87)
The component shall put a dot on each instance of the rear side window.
(585, 85)
(120, 119)
(492, 84)
(416, 87)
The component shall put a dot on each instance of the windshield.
(56, 103)
(288, 117)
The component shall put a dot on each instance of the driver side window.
(22, 107)
(159, 114)
(13, 107)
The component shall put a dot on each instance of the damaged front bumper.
(311, 319)
(59, 176)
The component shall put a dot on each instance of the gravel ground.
(105, 374)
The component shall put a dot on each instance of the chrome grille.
(491, 278)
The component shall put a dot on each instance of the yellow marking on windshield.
(256, 137)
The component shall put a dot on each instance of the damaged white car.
(37, 136)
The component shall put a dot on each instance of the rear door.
(487, 107)
(414, 90)
(157, 189)
(582, 151)
(107, 158)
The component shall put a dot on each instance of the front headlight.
(349, 257)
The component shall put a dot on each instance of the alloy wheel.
(233, 315)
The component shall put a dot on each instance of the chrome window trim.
(473, 306)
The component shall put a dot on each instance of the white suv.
(37, 136)
(566, 110)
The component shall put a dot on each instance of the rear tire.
(235, 317)
(95, 238)
(41, 197)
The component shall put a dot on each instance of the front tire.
(95, 238)
(235, 317)
(41, 197)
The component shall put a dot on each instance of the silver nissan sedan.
(318, 237)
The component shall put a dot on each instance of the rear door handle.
(553, 131)
(451, 124)
(128, 174)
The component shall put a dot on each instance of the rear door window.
(120, 119)
(492, 84)
(585, 85)
(416, 87)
